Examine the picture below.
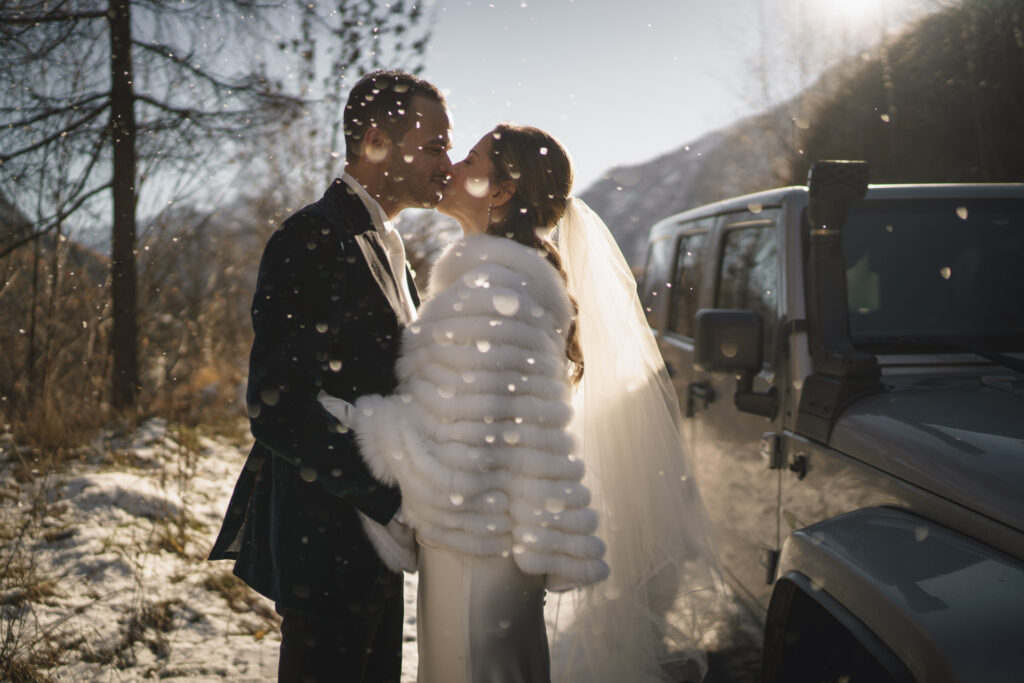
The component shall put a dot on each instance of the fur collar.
(484, 256)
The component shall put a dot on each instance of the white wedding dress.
(479, 620)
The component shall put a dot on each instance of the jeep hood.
(960, 438)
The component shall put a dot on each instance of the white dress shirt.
(391, 240)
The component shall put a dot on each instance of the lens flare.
(478, 187)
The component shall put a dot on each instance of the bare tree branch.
(188, 63)
(13, 17)
(49, 113)
(50, 224)
(63, 132)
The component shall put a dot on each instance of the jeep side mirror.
(733, 341)
(728, 339)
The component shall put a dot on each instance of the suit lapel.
(377, 260)
(348, 209)
(413, 291)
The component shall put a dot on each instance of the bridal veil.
(648, 620)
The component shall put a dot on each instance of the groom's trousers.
(363, 646)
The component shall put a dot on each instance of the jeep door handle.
(698, 391)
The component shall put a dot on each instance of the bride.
(533, 427)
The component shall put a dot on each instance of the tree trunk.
(124, 285)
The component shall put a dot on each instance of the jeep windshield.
(935, 275)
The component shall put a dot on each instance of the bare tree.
(941, 102)
(127, 91)
(800, 52)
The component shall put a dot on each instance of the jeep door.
(675, 267)
(739, 489)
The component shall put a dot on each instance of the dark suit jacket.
(326, 315)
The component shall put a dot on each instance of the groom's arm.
(297, 309)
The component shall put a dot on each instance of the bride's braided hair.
(539, 167)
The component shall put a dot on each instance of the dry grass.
(31, 511)
(239, 597)
(23, 582)
(55, 326)
(147, 626)
(58, 419)
(34, 454)
(21, 671)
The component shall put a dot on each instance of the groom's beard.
(410, 186)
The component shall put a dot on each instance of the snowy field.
(103, 574)
(103, 569)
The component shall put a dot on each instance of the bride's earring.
(489, 207)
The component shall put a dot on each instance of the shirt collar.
(377, 215)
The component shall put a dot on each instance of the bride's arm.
(374, 420)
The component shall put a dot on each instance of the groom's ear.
(503, 192)
(376, 145)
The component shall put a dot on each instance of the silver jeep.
(849, 361)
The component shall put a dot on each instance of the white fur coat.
(476, 434)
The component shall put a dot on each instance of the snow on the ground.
(103, 575)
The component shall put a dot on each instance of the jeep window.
(657, 279)
(749, 274)
(685, 282)
(932, 275)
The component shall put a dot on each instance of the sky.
(619, 82)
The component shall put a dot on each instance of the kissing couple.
(513, 434)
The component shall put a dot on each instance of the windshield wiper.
(964, 344)
(1003, 359)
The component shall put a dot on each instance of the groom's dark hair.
(382, 99)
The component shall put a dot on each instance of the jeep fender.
(947, 607)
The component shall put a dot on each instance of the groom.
(332, 297)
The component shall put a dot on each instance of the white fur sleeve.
(371, 419)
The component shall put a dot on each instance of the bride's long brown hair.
(539, 168)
